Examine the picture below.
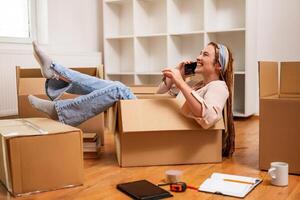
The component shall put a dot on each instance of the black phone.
(190, 68)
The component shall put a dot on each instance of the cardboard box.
(154, 132)
(30, 81)
(141, 92)
(39, 154)
(279, 113)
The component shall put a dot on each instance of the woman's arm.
(164, 86)
(167, 83)
(191, 101)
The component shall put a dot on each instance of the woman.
(205, 101)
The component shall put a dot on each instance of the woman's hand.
(175, 76)
(180, 66)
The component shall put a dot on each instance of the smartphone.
(189, 69)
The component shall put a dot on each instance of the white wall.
(75, 39)
(278, 30)
(75, 25)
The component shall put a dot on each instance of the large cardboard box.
(154, 132)
(39, 154)
(279, 113)
(30, 81)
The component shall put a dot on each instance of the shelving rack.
(141, 37)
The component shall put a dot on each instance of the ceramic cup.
(279, 173)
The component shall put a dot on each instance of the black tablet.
(143, 189)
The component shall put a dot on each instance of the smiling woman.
(22, 21)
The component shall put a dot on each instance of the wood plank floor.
(101, 176)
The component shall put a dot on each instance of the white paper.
(218, 184)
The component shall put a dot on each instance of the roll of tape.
(173, 176)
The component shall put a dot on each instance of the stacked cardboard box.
(279, 113)
(39, 154)
(30, 81)
(154, 132)
(91, 145)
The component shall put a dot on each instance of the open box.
(30, 81)
(279, 127)
(154, 132)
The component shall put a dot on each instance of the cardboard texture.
(154, 132)
(141, 92)
(39, 154)
(30, 81)
(279, 126)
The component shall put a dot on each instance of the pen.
(238, 181)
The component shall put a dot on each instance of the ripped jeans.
(97, 95)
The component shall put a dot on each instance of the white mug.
(279, 173)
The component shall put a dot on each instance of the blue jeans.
(97, 95)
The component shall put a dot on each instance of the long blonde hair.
(227, 76)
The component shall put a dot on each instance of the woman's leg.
(80, 83)
(75, 111)
(61, 79)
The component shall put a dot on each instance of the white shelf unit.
(141, 37)
(185, 16)
(118, 18)
(184, 47)
(150, 17)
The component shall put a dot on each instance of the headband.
(223, 57)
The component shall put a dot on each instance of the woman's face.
(206, 61)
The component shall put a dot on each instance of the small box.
(39, 154)
(30, 81)
(154, 132)
(279, 113)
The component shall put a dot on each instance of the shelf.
(239, 114)
(239, 73)
(118, 18)
(150, 17)
(226, 30)
(222, 14)
(119, 56)
(185, 15)
(152, 35)
(119, 37)
(235, 41)
(187, 33)
(184, 47)
(151, 54)
(113, 1)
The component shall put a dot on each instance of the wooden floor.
(101, 176)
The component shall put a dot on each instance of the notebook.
(231, 185)
(143, 190)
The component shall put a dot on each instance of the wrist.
(181, 84)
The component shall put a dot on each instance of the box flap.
(26, 72)
(143, 115)
(140, 89)
(5, 175)
(34, 86)
(268, 78)
(32, 126)
(290, 79)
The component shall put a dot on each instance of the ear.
(218, 67)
